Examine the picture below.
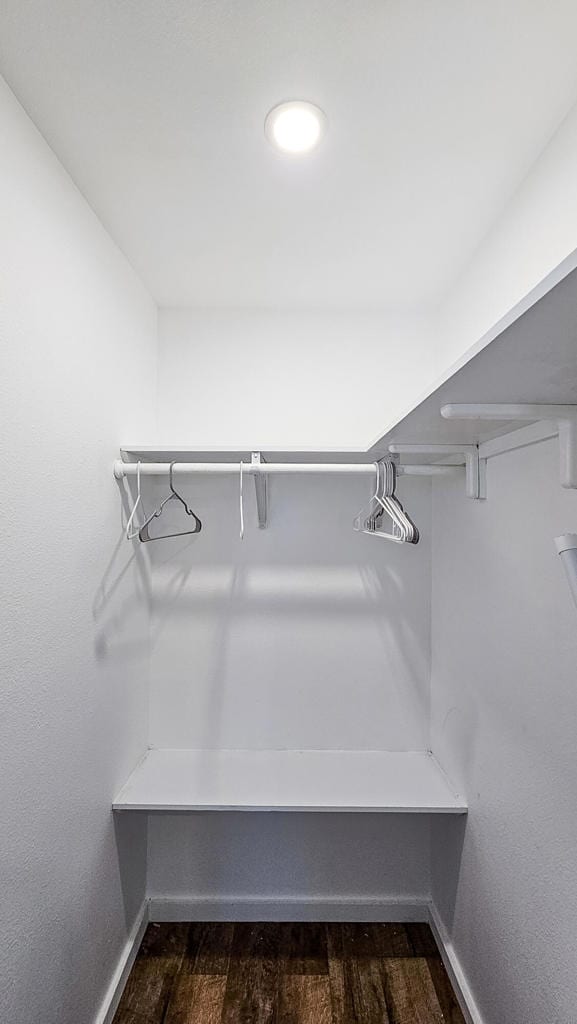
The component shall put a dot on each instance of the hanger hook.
(377, 479)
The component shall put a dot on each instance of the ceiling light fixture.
(295, 127)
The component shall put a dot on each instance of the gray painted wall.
(77, 335)
(504, 723)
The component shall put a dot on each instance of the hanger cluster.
(384, 503)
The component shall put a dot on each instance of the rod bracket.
(563, 416)
(260, 490)
(474, 470)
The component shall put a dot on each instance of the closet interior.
(288, 319)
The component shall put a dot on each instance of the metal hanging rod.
(126, 469)
(260, 471)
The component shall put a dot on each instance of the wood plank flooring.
(288, 974)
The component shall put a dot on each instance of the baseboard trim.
(115, 989)
(454, 969)
(214, 908)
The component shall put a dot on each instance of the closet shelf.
(188, 453)
(289, 780)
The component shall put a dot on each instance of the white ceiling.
(436, 112)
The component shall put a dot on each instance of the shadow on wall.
(447, 841)
(131, 838)
(225, 625)
(305, 610)
(124, 590)
(121, 614)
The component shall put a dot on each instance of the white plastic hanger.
(402, 523)
(366, 516)
(401, 520)
(369, 519)
(131, 534)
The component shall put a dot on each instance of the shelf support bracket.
(563, 416)
(260, 489)
(474, 472)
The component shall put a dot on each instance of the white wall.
(303, 380)
(535, 234)
(504, 723)
(303, 635)
(77, 336)
(531, 246)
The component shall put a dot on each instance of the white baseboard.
(119, 978)
(169, 908)
(454, 969)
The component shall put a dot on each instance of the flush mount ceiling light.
(295, 127)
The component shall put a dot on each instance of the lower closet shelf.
(289, 780)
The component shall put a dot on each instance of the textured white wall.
(303, 635)
(265, 379)
(77, 334)
(504, 724)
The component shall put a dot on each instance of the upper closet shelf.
(289, 780)
(179, 452)
(531, 364)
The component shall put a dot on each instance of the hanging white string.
(241, 502)
(131, 535)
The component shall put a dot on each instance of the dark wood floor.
(288, 974)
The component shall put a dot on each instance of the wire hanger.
(144, 534)
(131, 534)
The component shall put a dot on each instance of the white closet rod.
(122, 469)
